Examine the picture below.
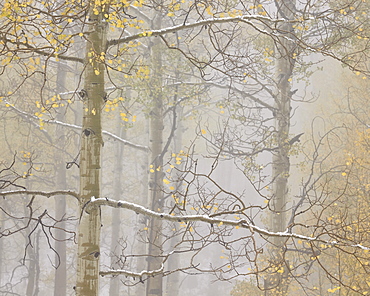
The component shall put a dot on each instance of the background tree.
(224, 42)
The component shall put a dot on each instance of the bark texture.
(156, 126)
(115, 283)
(90, 156)
(60, 282)
(277, 282)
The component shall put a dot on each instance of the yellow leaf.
(203, 132)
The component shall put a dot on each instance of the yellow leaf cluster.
(333, 290)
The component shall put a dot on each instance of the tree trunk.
(31, 272)
(156, 126)
(115, 283)
(34, 267)
(173, 280)
(90, 156)
(2, 249)
(60, 281)
(37, 264)
(277, 281)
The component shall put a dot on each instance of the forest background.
(159, 147)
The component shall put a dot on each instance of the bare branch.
(185, 26)
(96, 202)
(29, 116)
(41, 193)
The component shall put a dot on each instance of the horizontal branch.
(95, 202)
(104, 132)
(29, 48)
(185, 26)
(133, 274)
(188, 218)
(41, 193)
(74, 126)
(244, 94)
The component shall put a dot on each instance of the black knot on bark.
(83, 94)
(88, 131)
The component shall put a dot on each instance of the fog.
(156, 148)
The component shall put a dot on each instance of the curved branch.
(97, 202)
(74, 126)
(41, 193)
(185, 26)
(133, 274)
(29, 47)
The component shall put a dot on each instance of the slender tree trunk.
(115, 283)
(34, 267)
(141, 246)
(2, 249)
(31, 254)
(37, 264)
(277, 282)
(90, 156)
(60, 281)
(31, 272)
(173, 280)
(156, 126)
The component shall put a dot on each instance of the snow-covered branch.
(243, 224)
(138, 275)
(30, 117)
(41, 193)
(186, 26)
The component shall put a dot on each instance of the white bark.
(60, 281)
(156, 126)
(277, 282)
(90, 159)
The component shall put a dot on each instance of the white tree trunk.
(156, 126)
(277, 282)
(60, 282)
(90, 158)
(115, 282)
